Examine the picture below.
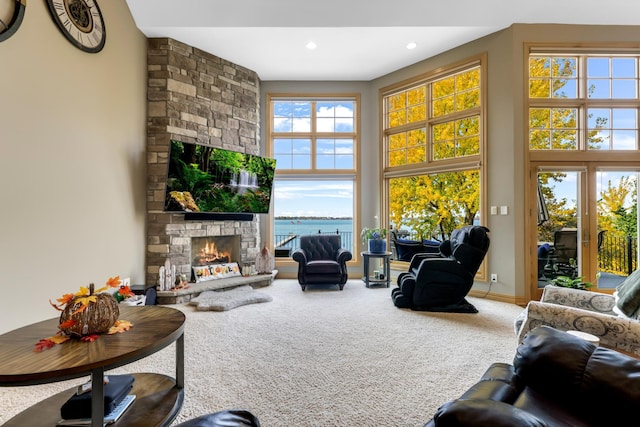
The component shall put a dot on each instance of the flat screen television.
(203, 179)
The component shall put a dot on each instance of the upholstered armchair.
(440, 282)
(321, 260)
(595, 313)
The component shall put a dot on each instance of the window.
(433, 141)
(583, 102)
(582, 136)
(314, 140)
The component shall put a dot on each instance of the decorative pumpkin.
(88, 315)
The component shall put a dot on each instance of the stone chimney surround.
(194, 97)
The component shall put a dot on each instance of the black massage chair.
(440, 282)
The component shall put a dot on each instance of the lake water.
(312, 226)
(299, 227)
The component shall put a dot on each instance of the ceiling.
(356, 39)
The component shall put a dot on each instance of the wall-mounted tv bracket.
(7, 30)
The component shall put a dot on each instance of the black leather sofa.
(556, 380)
(228, 418)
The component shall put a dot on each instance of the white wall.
(72, 156)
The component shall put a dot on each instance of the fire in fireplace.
(215, 250)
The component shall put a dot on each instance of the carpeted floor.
(323, 357)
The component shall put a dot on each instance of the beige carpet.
(323, 357)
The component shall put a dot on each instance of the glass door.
(559, 225)
(586, 229)
(616, 253)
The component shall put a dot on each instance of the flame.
(210, 253)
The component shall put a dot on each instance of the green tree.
(562, 212)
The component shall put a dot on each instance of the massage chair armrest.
(419, 257)
(579, 298)
(429, 266)
(614, 332)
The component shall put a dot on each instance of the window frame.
(582, 102)
(430, 165)
(575, 159)
(314, 173)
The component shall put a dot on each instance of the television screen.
(207, 179)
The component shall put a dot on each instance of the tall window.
(314, 140)
(583, 125)
(433, 141)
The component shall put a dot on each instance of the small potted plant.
(568, 282)
(376, 238)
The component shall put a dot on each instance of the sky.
(568, 188)
(321, 197)
(313, 198)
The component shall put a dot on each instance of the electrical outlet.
(494, 278)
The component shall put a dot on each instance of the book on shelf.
(109, 418)
(116, 387)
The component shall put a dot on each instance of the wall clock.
(9, 29)
(81, 22)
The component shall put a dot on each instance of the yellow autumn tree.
(556, 128)
(433, 205)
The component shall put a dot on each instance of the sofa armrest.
(483, 413)
(343, 256)
(300, 256)
(586, 300)
(614, 332)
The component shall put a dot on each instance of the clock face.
(81, 22)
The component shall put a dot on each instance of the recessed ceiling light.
(311, 45)
(411, 45)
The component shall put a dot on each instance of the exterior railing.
(285, 244)
(618, 255)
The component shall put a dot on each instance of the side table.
(368, 279)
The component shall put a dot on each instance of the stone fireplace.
(195, 97)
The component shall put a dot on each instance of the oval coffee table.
(158, 397)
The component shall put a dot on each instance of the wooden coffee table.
(158, 397)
